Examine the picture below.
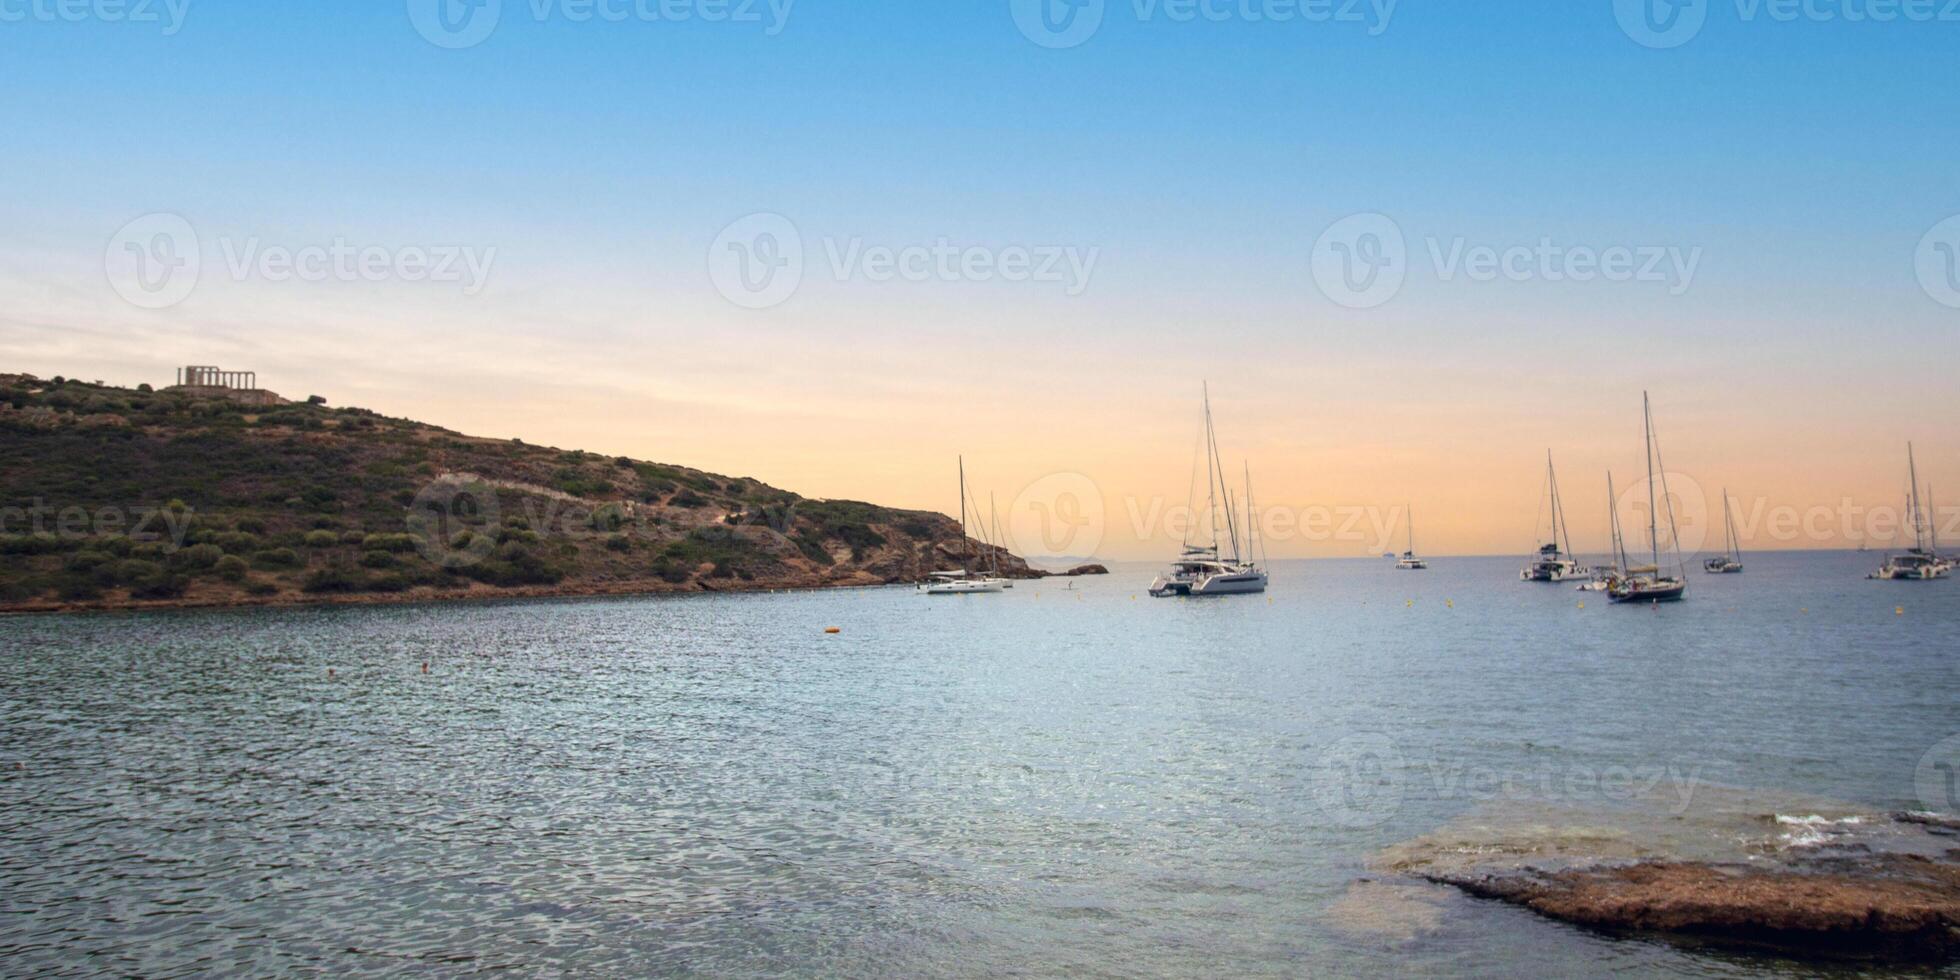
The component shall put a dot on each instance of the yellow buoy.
(1582, 603)
(1900, 611)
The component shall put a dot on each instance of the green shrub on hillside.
(397, 543)
(333, 578)
(321, 539)
(198, 557)
(275, 558)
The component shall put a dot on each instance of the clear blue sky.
(1806, 159)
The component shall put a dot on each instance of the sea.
(1067, 778)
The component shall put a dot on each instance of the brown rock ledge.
(1893, 907)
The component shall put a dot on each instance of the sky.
(836, 246)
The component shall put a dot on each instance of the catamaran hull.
(1547, 573)
(1723, 569)
(1216, 585)
(1229, 585)
(961, 588)
(1909, 574)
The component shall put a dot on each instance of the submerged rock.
(1797, 876)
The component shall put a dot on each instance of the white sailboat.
(1409, 562)
(1648, 583)
(963, 581)
(1604, 578)
(1729, 561)
(1919, 563)
(1554, 561)
(1206, 570)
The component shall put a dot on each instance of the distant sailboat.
(1554, 561)
(1729, 561)
(963, 581)
(1409, 560)
(1920, 563)
(1648, 583)
(1205, 570)
(1604, 579)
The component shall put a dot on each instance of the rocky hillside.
(117, 497)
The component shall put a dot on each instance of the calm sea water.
(1037, 782)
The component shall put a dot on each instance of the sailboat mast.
(1411, 511)
(1252, 542)
(1917, 516)
(1211, 472)
(966, 543)
(1932, 520)
(1613, 511)
(1217, 469)
(1559, 528)
(995, 544)
(1653, 514)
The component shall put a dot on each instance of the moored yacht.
(1554, 561)
(1218, 567)
(1729, 561)
(1648, 583)
(963, 581)
(1409, 561)
(1605, 577)
(1920, 563)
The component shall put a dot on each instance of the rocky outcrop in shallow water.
(1724, 867)
(1894, 907)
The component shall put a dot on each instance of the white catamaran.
(1206, 570)
(1729, 561)
(1554, 562)
(1409, 561)
(1920, 563)
(1647, 583)
(964, 581)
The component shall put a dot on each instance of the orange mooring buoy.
(833, 629)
